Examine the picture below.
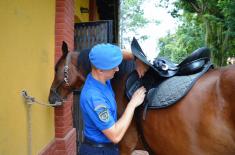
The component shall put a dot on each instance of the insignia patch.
(103, 113)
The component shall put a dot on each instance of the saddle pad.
(172, 89)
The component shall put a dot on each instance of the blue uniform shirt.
(98, 108)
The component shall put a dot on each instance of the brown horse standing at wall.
(202, 123)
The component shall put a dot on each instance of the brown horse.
(202, 123)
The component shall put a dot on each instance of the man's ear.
(99, 70)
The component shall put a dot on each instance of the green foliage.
(188, 37)
(132, 18)
(205, 22)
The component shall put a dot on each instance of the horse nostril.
(54, 96)
(51, 100)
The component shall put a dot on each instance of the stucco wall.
(26, 62)
(81, 17)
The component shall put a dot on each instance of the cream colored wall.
(82, 17)
(26, 62)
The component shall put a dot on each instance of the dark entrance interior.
(87, 35)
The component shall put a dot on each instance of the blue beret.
(105, 56)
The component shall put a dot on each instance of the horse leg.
(130, 140)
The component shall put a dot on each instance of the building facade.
(30, 45)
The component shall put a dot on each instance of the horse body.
(201, 123)
(198, 124)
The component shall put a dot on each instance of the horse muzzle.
(54, 98)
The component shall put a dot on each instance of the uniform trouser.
(86, 149)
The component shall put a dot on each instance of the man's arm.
(117, 131)
(140, 67)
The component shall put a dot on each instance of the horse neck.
(118, 86)
(73, 59)
(68, 58)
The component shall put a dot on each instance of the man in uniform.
(102, 130)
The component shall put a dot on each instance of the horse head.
(68, 76)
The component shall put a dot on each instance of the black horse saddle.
(165, 81)
(167, 68)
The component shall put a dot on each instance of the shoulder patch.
(103, 113)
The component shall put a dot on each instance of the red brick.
(60, 129)
(49, 149)
(63, 115)
(60, 3)
(63, 110)
(60, 9)
(60, 25)
(58, 44)
(59, 20)
(60, 142)
(59, 135)
(60, 15)
(60, 152)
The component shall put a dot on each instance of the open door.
(87, 35)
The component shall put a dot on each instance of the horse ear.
(65, 48)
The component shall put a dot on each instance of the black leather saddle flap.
(132, 84)
(138, 52)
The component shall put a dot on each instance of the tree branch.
(195, 6)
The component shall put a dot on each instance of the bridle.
(65, 79)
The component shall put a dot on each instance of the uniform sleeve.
(99, 112)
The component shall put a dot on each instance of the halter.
(66, 78)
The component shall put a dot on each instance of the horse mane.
(59, 61)
(124, 68)
(84, 62)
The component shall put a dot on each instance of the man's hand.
(138, 96)
(117, 131)
(141, 67)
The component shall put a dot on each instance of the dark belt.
(96, 144)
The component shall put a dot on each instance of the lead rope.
(29, 100)
(29, 118)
